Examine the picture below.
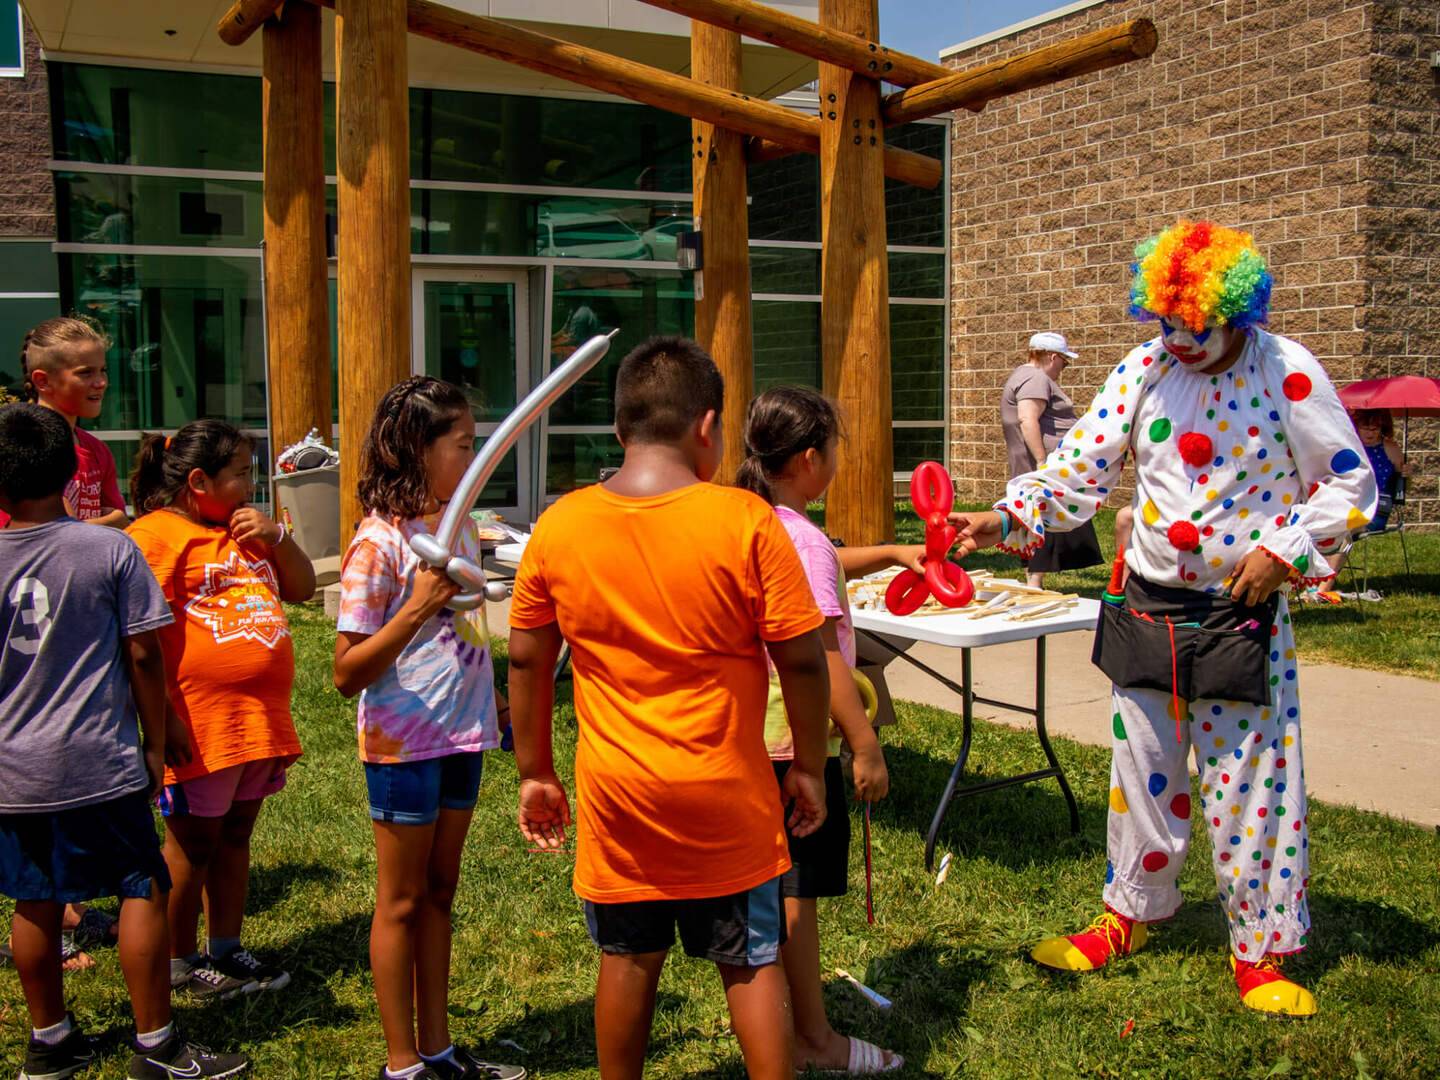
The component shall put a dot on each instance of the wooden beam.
(722, 300)
(673, 93)
(297, 322)
(1107, 47)
(372, 136)
(858, 54)
(244, 18)
(855, 287)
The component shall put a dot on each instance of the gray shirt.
(1029, 382)
(68, 593)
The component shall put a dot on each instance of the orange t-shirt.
(665, 602)
(229, 660)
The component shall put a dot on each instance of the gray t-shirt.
(1028, 381)
(68, 593)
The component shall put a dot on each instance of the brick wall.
(1269, 115)
(27, 199)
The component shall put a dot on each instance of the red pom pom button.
(1183, 536)
(1196, 449)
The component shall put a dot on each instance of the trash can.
(308, 502)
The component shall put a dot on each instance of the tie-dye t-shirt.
(827, 582)
(438, 698)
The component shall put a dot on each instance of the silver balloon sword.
(438, 550)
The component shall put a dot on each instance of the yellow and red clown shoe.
(1264, 989)
(1110, 935)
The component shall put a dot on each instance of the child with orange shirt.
(224, 568)
(669, 591)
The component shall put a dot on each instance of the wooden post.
(855, 289)
(372, 134)
(722, 308)
(296, 301)
(243, 18)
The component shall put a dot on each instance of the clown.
(1247, 474)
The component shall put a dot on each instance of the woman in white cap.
(1036, 414)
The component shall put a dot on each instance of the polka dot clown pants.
(1252, 798)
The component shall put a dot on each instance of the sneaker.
(241, 964)
(1264, 989)
(208, 983)
(463, 1065)
(426, 1073)
(1111, 934)
(44, 1061)
(176, 1059)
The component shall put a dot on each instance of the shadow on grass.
(1014, 827)
(272, 885)
(563, 1037)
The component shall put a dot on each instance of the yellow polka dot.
(1259, 938)
(1266, 889)
(1237, 452)
(1059, 515)
(1270, 842)
(1150, 512)
(1289, 654)
(1234, 811)
(1117, 801)
(1244, 513)
(1250, 830)
(1211, 495)
(1239, 384)
(1080, 466)
(1235, 872)
(1224, 425)
(1079, 433)
(1254, 761)
(1219, 743)
(1064, 472)
(1266, 467)
(1357, 519)
(1215, 563)
(1123, 388)
(1287, 499)
(1289, 740)
(1204, 789)
(1264, 714)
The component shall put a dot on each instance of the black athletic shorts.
(820, 862)
(742, 930)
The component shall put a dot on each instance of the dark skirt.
(1073, 550)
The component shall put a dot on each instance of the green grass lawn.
(1401, 633)
(967, 1001)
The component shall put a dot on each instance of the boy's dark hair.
(664, 386)
(780, 423)
(37, 452)
(409, 418)
(163, 465)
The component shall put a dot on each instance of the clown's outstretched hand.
(978, 530)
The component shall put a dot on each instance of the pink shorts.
(213, 795)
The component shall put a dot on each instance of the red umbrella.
(1414, 395)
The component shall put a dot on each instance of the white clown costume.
(1261, 455)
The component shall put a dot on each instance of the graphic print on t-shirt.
(237, 601)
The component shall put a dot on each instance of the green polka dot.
(1073, 508)
(1119, 726)
(1254, 402)
(1279, 436)
(1291, 852)
(1212, 761)
(1241, 475)
(1209, 414)
(1244, 724)
(1302, 563)
(1125, 427)
(1255, 857)
(1279, 909)
(1269, 783)
(1195, 515)
(1160, 430)
(1279, 811)
(1218, 793)
(1255, 534)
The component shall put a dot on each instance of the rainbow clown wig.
(1196, 271)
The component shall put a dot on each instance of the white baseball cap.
(1052, 342)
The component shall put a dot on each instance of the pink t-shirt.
(827, 582)
(94, 489)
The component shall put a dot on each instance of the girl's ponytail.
(148, 476)
(780, 423)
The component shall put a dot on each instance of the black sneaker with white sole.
(463, 1065)
(208, 983)
(241, 964)
(176, 1059)
(45, 1061)
(427, 1073)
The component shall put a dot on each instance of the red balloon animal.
(932, 496)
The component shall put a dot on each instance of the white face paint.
(1197, 350)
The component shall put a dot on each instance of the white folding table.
(896, 634)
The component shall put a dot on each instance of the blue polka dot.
(1228, 503)
(1265, 497)
(1280, 786)
(1292, 712)
(1101, 463)
(1254, 883)
(1109, 871)
(1263, 454)
(1234, 839)
(1274, 415)
(1219, 461)
(1229, 540)
(1104, 413)
(1285, 873)
(1234, 407)
(1120, 370)
(1275, 657)
(1215, 710)
(1290, 674)
(1244, 788)
(1262, 913)
(1157, 783)
(1344, 460)
(1239, 754)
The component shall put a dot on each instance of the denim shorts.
(414, 792)
(69, 856)
(741, 930)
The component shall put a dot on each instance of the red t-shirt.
(94, 489)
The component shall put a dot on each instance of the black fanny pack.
(1194, 645)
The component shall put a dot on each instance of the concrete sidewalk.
(1371, 739)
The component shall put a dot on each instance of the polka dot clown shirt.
(1260, 456)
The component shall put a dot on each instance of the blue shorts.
(70, 856)
(414, 792)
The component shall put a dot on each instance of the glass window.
(914, 216)
(106, 208)
(785, 198)
(136, 116)
(470, 341)
(511, 139)
(596, 300)
(575, 460)
(917, 275)
(917, 361)
(187, 338)
(12, 39)
(791, 271)
(787, 343)
(912, 445)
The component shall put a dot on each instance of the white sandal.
(867, 1059)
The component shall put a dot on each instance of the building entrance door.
(471, 328)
